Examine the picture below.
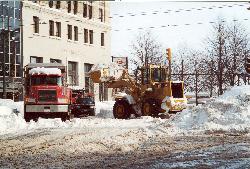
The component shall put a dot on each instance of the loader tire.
(147, 108)
(121, 109)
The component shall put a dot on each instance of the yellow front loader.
(147, 94)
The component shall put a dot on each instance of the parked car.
(83, 106)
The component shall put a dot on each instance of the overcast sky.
(187, 23)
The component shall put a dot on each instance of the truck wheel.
(121, 109)
(27, 117)
(35, 119)
(92, 113)
(64, 118)
(147, 109)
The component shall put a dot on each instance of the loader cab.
(153, 74)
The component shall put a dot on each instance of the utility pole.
(182, 70)
(196, 84)
(169, 56)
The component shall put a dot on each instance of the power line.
(175, 25)
(167, 11)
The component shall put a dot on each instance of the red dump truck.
(46, 92)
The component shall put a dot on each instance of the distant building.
(75, 33)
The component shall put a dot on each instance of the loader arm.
(124, 81)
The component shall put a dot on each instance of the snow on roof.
(47, 71)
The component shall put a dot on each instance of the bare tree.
(146, 50)
(237, 47)
(217, 51)
(217, 66)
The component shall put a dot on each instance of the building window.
(51, 28)
(55, 60)
(90, 11)
(85, 10)
(35, 59)
(75, 7)
(69, 6)
(101, 14)
(51, 3)
(58, 4)
(36, 24)
(72, 73)
(70, 32)
(86, 36)
(102, 39)
(75, 33)
(91, 36)
(58, 29)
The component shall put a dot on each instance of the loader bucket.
(95, 76)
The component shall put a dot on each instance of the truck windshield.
(46, 80)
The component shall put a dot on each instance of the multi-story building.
(75, 33)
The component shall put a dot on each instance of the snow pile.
(12, 121)
(229, 112)
(107, 72)
(46, 71)
(11, 117)
(104, 109)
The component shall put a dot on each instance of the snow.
(46, 71)
(229, 112)
(105, 135)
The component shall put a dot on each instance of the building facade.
(75, 33)
(10, 50)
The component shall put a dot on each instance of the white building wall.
(43, 45)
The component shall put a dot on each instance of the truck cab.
(46, 92)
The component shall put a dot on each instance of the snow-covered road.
(94, 149)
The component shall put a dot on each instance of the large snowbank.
(229, 112)
(46, 71)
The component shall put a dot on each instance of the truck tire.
(121, 109)
(92, 113)
(67, 117)
(27, 117)
(35, 119)
(64, 118)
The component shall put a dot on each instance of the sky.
(174, 24)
